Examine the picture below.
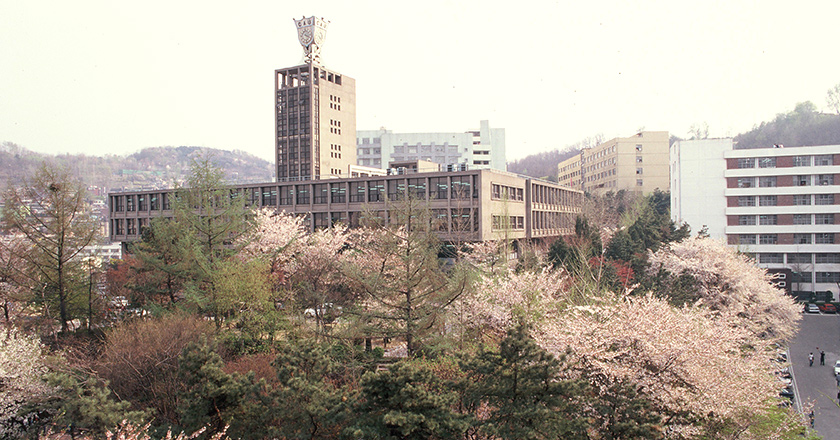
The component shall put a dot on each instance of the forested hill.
(543, 165)
(801, 127)
(157, 167)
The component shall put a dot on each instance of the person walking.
(811, 417)
(822, 357)
(811, 360)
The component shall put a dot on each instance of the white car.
(812, 308)
(837, 368)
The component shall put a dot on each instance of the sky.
(111, 77)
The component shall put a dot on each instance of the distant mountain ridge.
(149, 168)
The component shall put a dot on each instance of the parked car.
(787, 392)
(812, 308)
(785, 372)
(828, 308)
(837, 368)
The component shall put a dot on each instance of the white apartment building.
(477, 149)
(778, 204)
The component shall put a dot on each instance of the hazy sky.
(113, 77)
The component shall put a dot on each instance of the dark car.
(787, 392)
(827, 308)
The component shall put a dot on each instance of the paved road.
(817, 384)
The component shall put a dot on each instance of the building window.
(746, 220)
(746, 201)
(767, 162)
(417, 188)
(801, 238)
(801, 199)
(823, 160)
(638, 171)
(824, 199)
(799, 258)
(638, 147)
(803, 180)
(746, 239)
(770, 258)
(768, 219)
(319, 194)
(767, 181)
(827, 258)
(338, 194)
(802, 219)
(767, 201)
(746, 182)
(638, 159)
(302, 196)
(439, 188)
(828, 277)
(801, 161)
(824, 238)
(824, 219)
(768, 238)
(825, 179)
(269, 196)
(746, 162)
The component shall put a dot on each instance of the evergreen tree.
(523, 389)
(624, 413)
(406, 403)
(80, 404)
(216, 399)
(309, 399)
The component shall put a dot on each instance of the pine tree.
(407, 403)
(521, 384)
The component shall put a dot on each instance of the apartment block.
(780, 205)
(636, 163)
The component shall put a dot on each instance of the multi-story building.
(317, 175)
(315, 114)
(477, 149)
(636, 163)
(698, 184)
(779, 204)
(472, 205)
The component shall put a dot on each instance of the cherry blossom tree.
(686, 361)
(21, 368)
(730, 285)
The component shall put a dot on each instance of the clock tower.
(315, 113)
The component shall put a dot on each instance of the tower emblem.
(312, 32)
